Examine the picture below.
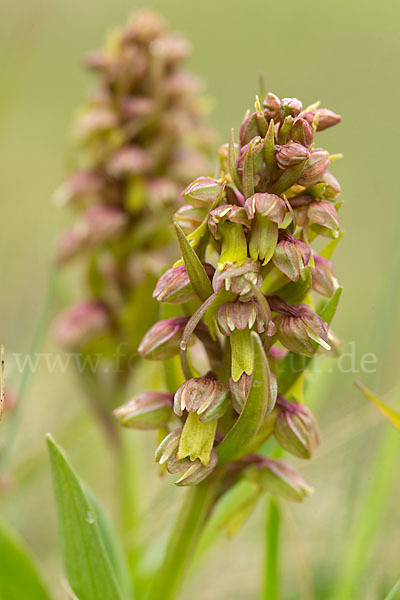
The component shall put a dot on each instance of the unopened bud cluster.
(265, 291)
(140, 140)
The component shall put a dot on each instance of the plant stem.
(183, 540)
(271, 575)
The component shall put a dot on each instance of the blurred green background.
(345, 54)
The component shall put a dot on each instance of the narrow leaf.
(257, 404)
(390, 414)
(248, 173)
(19, 578)
(87, 564)
(189, 329)
(197, 274)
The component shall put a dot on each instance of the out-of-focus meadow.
(343, 53)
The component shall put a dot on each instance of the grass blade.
(390, 414)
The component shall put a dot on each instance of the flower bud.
(82, 186)
(291, 255)
(266, 205)
(202, 192)
(82, 322)
(239, 315)
(239, 279)
(296, 428)
(302, 133)
(323, 280)
(163, 340)
(272, 107)
(174, 285)
(281, 479)
(131, 160)
(315, 167)
(69, 244)
(326, 118)
(239, 391)
(206, 396)
(150, 410)
(324, 214)
(249, 129)
(96, 120)
(298, 327)
(291, 106)
(291, 154)
(189, 218)
(102, 222)
(191, 472)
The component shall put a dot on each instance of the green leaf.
(254, 410)
(89, 570)
(232, 163)
(197, 274)
(19, 579)
(115, 552)
(390, 414)
(248, 173)
(293, 365)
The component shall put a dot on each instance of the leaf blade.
(390, 414)
(87, 564)
(196, 272)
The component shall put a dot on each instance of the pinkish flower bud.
(131, 160)
(326, 118)
(102, 222)
(281, 479)
(150, 410)
(81, 323)
(291, 255)
(291, 106)
(249, 129)
(239, 391)
(323, 280)
(174, 285)
(291, 154)
(83, 186)
(324, 214)
(298, 327)
(272, 107)
(302, 133)
(332, 187)
(202, 192)
(191, 472)
(206, 396)
(162, 191)
(189, 218)
(172, 48)
(96, 120)
(239, 315)
(296, 428)
(163, 340)
(69, 244)
(266, 205)
(315, 167)
(146, 27)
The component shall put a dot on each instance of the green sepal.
(197, 439)
(259, 401)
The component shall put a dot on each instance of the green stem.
(271, 573)
(183, 540)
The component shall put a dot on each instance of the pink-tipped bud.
(239, 391)
(174, 285)
(266, 205)
(323, 280)
(131, 160)
(291, 106)
(296, 428)
(332, 186)
(163, 340)
(302, 133)
(291, 255)
(315, 167)
(69, 244)
(150, 410)
(102, 222)
(291, 154)
(298, 327)
(324, 214)
(239, 315)
(189, 217)
(326, 118)
(239, 279)
(272, 107)
(206, 396)
(96, 120)
(82, 323)
(249, 129)
(281, 479)
(202, 192)
(83, 186)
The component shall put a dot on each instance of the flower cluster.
(140, 140)
(249, 311)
